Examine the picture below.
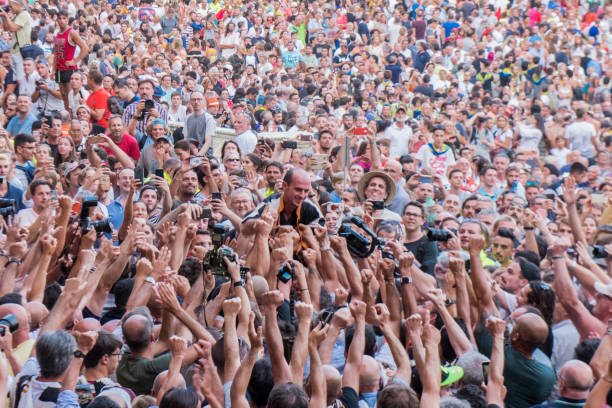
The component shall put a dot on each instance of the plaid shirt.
(130, 111)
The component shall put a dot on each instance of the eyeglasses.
(232, 160)
(412, 215)
(532, 184)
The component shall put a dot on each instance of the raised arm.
(280, 369)
(243, 374)
(495, 384)
(480, 281)
(350, 376)
(569, 195)
(584, 321)
(404, 369)
(459, 341)
(178, 347)
(352, 272)
(300, 346)
(231, 307)
(430, 373)
(318, 386)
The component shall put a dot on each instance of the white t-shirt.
(26, 217)
(399, 139)
(436, 162)
(246, 141)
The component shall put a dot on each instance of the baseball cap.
(213, 102)
(450, 375)
(605, 290)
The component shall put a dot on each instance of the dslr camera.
(9, 321)
(599, 251)
(439, 235)
(8, 207)
(214, 258)
(102, 226)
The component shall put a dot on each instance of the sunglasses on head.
(532, 184)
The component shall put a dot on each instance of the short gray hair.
(452, 402)
(54, 350)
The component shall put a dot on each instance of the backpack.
(23, 397)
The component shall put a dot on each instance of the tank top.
(64, 51)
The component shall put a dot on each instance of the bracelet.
(528, 228)
(302, 290)
(557, 257)
(312, 270)
(325, 248)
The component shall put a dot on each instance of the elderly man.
(575, 380)
(393, 169)
(200, 125)
(241, 203)
(246, 139)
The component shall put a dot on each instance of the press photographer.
(47, 94)
(21, 28)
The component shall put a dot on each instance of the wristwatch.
(238, 283)
(406, 280)
(150, 280)
(78, 354)
(13, 260)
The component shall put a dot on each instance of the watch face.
(79, 354)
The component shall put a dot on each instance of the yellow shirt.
(22, 353)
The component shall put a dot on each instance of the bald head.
(575, 379)
(369, 375)
(161, 379)
(296, 175)
(394, 169)
(333, 380)
(532, 331)
(137, 331)
(23, 319)
(89, 324)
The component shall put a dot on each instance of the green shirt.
(528, 381)
(21, 37)
(138, 373)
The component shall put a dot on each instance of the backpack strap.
(21, 383)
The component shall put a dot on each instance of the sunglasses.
(532, 184)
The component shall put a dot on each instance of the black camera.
(357, 244)
(599, 251)
(9, 321)
(39, 82)
(149, 104)
(6, 9)
(378, 205)
(101, 227)
(289, 144)
(439, 235)
(286, 273)
(214, 258)
(8, 207)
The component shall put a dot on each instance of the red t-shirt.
(98, 100)
(129, 145)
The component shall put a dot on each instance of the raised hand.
(456, 265)
(231, 307)
(178, 346)
(167, 296)
(358, 309)
(303, 311)
(381, 314)
(569, 190)
(317, 335)
(406, 260)
(496, 326)
(477, 244)
(272, 299)
(86, 340)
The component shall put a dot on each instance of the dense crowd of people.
(305, 204)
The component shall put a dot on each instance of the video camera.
(214, 258)
(8, 207)
(357, 244)
(101, 227)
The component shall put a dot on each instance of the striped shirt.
(130, 111)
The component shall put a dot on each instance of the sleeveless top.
(64, 51)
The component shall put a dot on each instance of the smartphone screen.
(139, 174)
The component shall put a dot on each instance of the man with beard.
(273, 174)
(22, 122)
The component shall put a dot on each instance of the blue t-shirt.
(448, 27)
(14, 193)
(291, 59)
(15, 126)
